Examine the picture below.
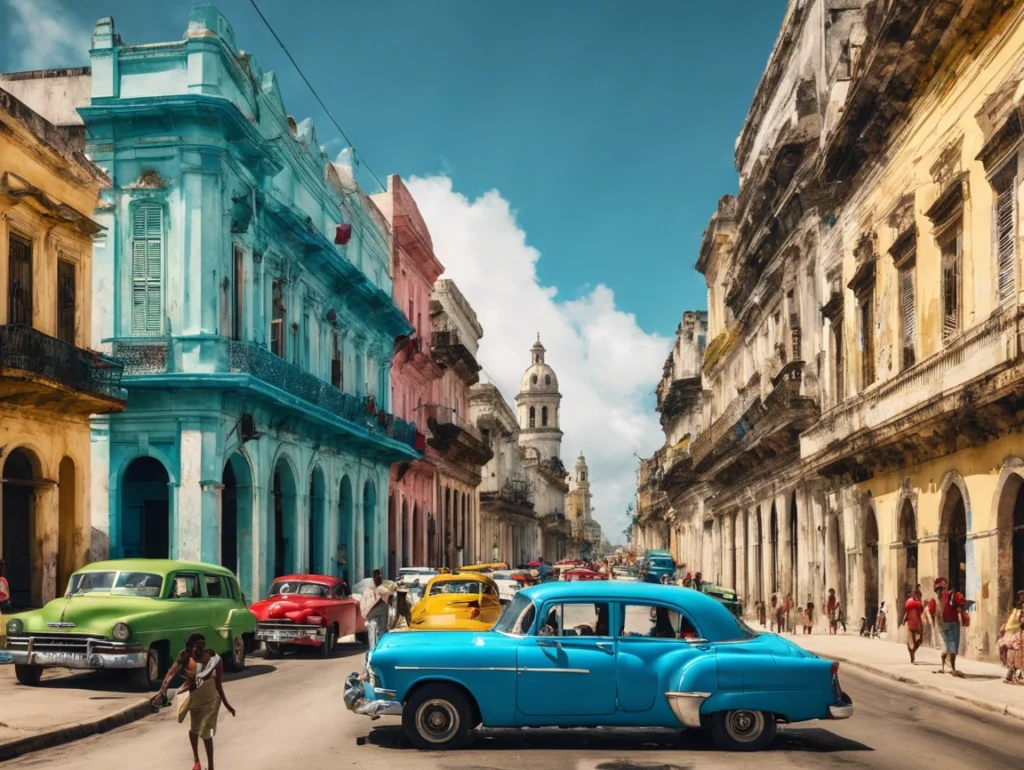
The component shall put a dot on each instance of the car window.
(455, 587)
(185, 586)
(575, 619)
(92, 582)
(137, 584)
(214, 589)
(652, 621)
(517, 618)
(340, 591)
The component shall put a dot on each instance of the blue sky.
(566, 156)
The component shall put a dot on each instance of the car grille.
(284, 624)
(72, 643)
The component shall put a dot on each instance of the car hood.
(90, 614)
(406, 642)
(294, 608)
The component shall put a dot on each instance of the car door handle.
(549, 643)
(606, 647)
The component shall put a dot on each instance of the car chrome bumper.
(362, 698)
(686, 706)
(93, 661)
(279, 635)
(842, 710)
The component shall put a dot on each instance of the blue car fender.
(696, 683)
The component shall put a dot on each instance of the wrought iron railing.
(25, 349)
(444, 338)
(245, 358)
(144, 356)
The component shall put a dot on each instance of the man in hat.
(374, 606)
(5, 590)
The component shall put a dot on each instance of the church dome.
(539, 377)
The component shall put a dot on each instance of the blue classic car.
(626, 654)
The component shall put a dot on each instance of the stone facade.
(50, 379)
(247, 286)
(864, 367)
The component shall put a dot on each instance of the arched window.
(544, 416)
(533, 417)
(547, 379)
(533, 379)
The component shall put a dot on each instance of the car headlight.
(14, 627)
(121, 632)
(374, 678)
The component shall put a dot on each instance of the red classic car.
(307, 611)
(581, 573)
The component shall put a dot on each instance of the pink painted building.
(415, 268)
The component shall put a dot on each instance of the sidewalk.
(65, 707)
(982, 685)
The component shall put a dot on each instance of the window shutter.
(907, 310)
(147, 271)
(1006, 238)
(951, 287)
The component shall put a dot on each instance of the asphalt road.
(291, 714)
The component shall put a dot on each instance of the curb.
(62, 735)
(986, 705)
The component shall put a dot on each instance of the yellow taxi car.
(484, 569)
(462, 601)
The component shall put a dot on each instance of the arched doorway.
(794, 549)
(20, 472)
(236, 551)
(346, 523)
(869, 549)
(1010, 527)
(953, 557)
(773, 532)
(283, 500)
(907, 567)
(145, 510)
(318, 539)
(67, 505)
(370, 528)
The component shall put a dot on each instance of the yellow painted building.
(50, 380)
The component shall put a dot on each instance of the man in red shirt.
(952, 603)
(5, 590)
(914, 609)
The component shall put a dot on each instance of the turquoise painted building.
(245, 282)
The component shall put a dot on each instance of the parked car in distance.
(508, 586)
(625, 573)
(307, 611)
(464, 601)
(691, 665)
(133, 614)
(726, 596)
(656, 565)
(414, 575)
(484, 569)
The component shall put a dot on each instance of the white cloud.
(44, 34)
(607, 365)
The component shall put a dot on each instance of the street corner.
(64, 707)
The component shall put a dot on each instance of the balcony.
(677, 467)
(42, 371)
(554, 523)
(455, 437)
(227, 365)
(451, 353)
(678, 397)
(752, 433)
(967, 392)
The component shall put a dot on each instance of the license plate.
(72, 659)
(277, 636)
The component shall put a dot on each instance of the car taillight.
(835, 668)
(835, 680)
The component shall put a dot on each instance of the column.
(100, 490)
(784, 509)
(740, 535)
(753, 543)
(189, 497)
(728, 551)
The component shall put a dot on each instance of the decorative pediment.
(1003, 142)
(950, 200)
(865, 248)
(864, 278)
(904, 248)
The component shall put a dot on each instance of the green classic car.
(133, 614)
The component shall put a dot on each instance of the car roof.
(157, 566)
(310, 578)
(714, 620)
(446, 577)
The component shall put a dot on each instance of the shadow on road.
(814, 739)
(251, 670)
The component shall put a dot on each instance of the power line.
(316, 96)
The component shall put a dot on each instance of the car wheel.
(742, 730)
(328, 646)
(147, 677)
(236, 661)
(274, 650)
(28, 675)
(437, 717)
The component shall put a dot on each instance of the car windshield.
(517, 617)
(115, 583)
(456, 587)
(299, 587)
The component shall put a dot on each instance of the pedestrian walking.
(913, 610)
(774, 613)
(762, 613)
(1011, 642)
(5, 590)
(787, 613)
(202, 694)
(373, 603)
(841, 617)
(832, 611)
(953, 609)
(808, 618)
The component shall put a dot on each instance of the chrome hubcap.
(239, 649)
(153, 664)
(437, 720)
(745, 726)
